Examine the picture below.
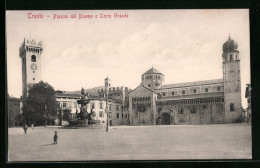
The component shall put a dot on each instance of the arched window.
(149, 85)
(172, 92)
(231, 57)
(218, 88)
(194, 91)
(193, 111)
(33, 58)
(183, 92)
(232, 108)
(164, 94)
(180, 110)
(206, 90)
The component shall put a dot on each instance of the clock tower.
(232, 82)
(30, 54)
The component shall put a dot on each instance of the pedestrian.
(55, 137)
(32, 126)
(25, 128)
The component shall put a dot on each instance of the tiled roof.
(188, 84)
(152, 71)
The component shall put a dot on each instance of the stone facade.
(30, 54)
(201, 102)
(119, 105)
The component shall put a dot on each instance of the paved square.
(232, 141)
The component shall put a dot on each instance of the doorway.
(166, 119)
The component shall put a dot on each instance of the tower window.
(33, 58)
(194, 91)
(232, 108)
(183, 92)
(33, 78)
(231, 57)
(206, 90)
(33, 71)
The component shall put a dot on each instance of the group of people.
(25, 127)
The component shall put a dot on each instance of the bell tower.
(30, 54)
(232, 82)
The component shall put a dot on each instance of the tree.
(40, 106)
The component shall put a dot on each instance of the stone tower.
(152, 79)
(232, 82)
(30, 54)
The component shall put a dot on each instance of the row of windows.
(151, 77)
(156, 85)
(101, 114)
(231, 58)
(101, 106)
(190, 101)
(122, 115)
(193, 110)
(185, 92)
(141, 98)
(37, 50)
(68, 104)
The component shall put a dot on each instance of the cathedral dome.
(230, 45)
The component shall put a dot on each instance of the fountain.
(83, 117)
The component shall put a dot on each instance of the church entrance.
(166, 119)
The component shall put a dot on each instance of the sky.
(185, 45)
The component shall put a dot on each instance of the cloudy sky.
(185, 45)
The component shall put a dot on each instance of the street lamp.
(107, 85)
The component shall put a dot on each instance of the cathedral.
(155, 103)
(201, 102)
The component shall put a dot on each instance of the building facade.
(68, 107)
(14, 112)
(200, 102)
(248, 115)
(119, 105)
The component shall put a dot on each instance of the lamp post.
(107, 85)
(106, 108)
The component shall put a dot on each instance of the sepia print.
(99, 85)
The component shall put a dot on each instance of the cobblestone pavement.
(231, 141)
